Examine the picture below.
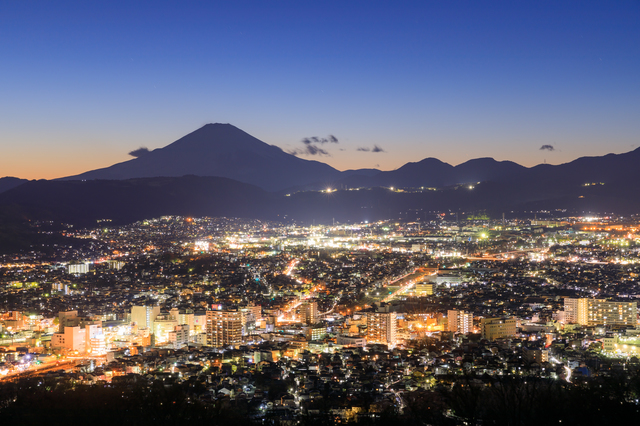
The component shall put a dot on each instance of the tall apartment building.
(309, 312)
(575, 310)
(591, 312)
(460, 321)
(382, 328)
(224, 328)
(498, 328)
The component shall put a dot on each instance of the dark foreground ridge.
(140, 400)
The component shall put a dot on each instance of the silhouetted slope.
(7, 183)
(125, 201)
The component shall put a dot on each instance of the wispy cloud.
(375, 148)
(311, 146)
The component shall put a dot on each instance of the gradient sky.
(83, 83)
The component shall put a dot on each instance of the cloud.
(311, 146)
(321, 141)
(375, 148)
(309, 150)
(143, 150)
(547, 148)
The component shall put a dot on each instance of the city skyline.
(88, 83)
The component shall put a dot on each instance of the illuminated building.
(424, 288)
(224, 328)
(71, 319)
(250, 314)
(115, 264)
(591, 312)
(536, 355)
(184, 317)
(72, 339)
(78, 268)
(88, 338)
(67, 319)
(95, 339)
(459, 321)
(382, 328)
(179, 336)
(309, 312)
(498, 328)
(144, 316)
(352, 341)
(315, 332)
(575, 311)
(624, 345)
(162, 326)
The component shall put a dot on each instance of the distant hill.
(432, 172)
(7, 183)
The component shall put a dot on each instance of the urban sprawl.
(284, 322)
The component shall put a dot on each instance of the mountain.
(434, 173)
(222, 150)
(225, 151)
(7, 183)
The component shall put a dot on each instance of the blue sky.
(83, 83)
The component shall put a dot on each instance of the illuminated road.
(291, 266)
(411, 279)
(38, 370)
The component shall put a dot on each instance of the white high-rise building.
(460, 321)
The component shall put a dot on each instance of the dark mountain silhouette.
(7, 183)
(125, 201)
(432, 172)
(225, 151)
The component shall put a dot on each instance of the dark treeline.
(467, 400)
